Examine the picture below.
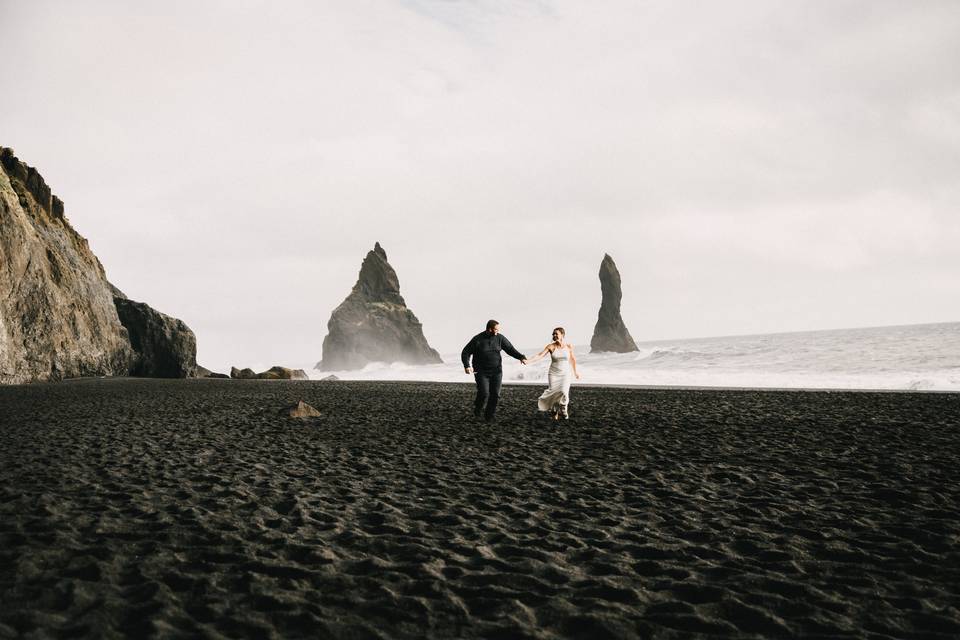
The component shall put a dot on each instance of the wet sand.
(191, 508)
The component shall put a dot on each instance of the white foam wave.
(921, 357)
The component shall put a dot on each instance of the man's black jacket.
(485, 348)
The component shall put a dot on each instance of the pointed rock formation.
(374, 324)
(611, 334)
(59, 316)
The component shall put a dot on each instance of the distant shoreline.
(521, 383)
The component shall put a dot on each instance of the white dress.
(558, 393)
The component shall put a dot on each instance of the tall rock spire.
(374, 324)
(378, 280)
(611, 333)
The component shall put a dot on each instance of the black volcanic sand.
(131, 507)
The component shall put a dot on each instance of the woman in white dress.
(556, 399)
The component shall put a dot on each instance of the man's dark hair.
(491, 324)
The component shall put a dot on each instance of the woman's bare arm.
(573, 362)
(545, 351)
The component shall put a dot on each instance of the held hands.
(468, 370)
(524, 361)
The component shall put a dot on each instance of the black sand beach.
(191, 508)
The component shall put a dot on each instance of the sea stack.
(611, 333)
(374, 324)
(58, 313)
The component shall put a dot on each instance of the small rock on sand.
(273, 373)
(301, 410)
(283, 373)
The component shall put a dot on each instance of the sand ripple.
(135, 507)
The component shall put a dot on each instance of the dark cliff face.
(374, 324)
(610, 333)
(58, 317)
(164, 347)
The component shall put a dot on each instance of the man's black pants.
(488, 392)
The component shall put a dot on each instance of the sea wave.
(918, 357)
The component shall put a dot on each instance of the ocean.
(910, 357)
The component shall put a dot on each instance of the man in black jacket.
(487, 367)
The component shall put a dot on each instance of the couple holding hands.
(484, 350)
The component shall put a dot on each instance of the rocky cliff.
(374, 324)
(59, 316)
(611, 333)
(164, 347)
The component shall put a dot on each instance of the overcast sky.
(752, 167)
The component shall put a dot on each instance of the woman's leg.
(565, 402)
